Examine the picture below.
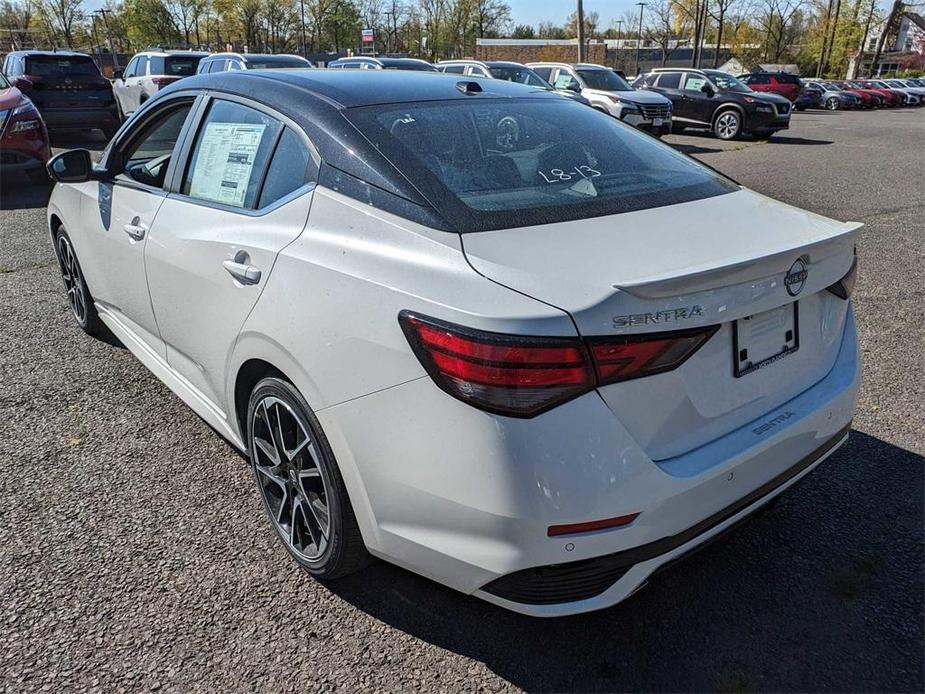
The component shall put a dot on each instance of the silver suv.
(610, 93)
(148, 72)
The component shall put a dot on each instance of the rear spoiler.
(707, 277)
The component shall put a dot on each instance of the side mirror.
(708, 90)
(118, 74)
(72, 166)
(23, 84)
(574, 87)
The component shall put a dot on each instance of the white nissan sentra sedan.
(472, 328)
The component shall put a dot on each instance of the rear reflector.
(556, 530)
(524, 376)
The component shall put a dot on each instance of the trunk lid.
(707, 262)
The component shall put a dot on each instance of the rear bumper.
(469, 501)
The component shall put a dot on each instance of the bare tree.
(62, 17)
(490, 17)
(15, 18)
(660, 26)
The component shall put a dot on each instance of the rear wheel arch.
(249, 374)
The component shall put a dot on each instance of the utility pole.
(619, 29)
(112, 49)
(639, 35)
(304, 45)
(581, 31)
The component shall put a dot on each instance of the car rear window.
(275, 63)
(49, 65)
(174, 65)
(492, 164)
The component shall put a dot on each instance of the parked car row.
(71, 93)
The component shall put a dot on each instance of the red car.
(783, 83)
(869, 97)
(23, 136)
(890, 97)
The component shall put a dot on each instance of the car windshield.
(60, 65)
(916, 83)
(275, 63)
(521, 75)
(605, 80)
(726, 82)
(490, 164)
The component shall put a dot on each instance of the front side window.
(544, 72)
(454, 69)
(520, 75)
(230, 156)
(147, 157)
(130, 70)
(605, 80)
(693, 83)
(496, 164)
(142, 68)
(565, 81)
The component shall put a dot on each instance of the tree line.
(818, 35)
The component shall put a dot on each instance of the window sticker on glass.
(225, 162)
(693, 84)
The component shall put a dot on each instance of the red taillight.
(161, 81)
(524, 376)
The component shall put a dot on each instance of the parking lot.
(134, 553)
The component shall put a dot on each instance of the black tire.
(727, 124)
(832, 103)
(77, 292)
(342, 551)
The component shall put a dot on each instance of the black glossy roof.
(349, 88)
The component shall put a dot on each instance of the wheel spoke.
(271, 475)
(320, 513)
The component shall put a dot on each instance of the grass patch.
(5, 270)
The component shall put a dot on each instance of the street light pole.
(581, 31)
(639, 35)
(619, 28)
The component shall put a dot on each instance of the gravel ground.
(134, 553)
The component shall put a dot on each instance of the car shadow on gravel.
(823, 590)
(20, 193)
(785, 140)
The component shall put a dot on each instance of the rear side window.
(671, 80)
(230, 155)
(518, 162)
(54, 66)
(454, 69)
(292, 166)
(142, 68)
(544, 72)
(217, 66)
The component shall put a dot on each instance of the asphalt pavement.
(134, 553)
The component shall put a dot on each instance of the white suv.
(609, 92)
(148, 72)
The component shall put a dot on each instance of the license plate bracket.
(764, 338)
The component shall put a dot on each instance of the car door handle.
(244, 273)
(135, 230)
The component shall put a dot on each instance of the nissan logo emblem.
(796, 277)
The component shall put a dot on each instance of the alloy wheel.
(291, 478)
(832, 104)
(727, 125)
(73, 280)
